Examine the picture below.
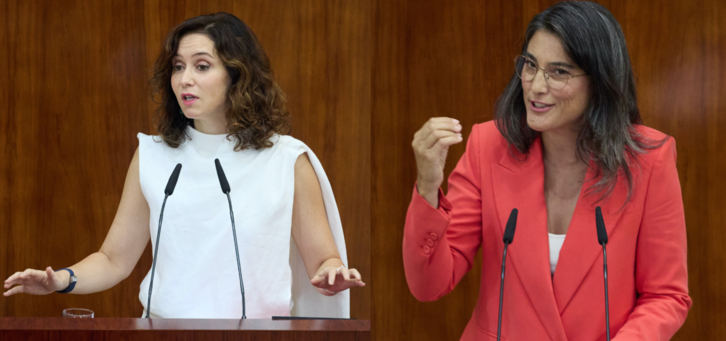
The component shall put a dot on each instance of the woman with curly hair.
(218, 100)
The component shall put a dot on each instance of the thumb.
(52, 277)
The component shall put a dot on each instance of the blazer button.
(433, 236)
(430, 242)
(426, 249)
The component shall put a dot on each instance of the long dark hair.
(593, 39)
(255, 104)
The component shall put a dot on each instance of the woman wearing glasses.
(567, 138)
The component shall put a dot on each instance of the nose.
(187, 78)
(539, 83)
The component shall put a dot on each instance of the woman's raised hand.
(431, 145)
(34, 282)
(330, 281)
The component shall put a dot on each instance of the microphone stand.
(602, 239)
(607, 305)
(501, 293)
(224, 184)
(169, 190)
(236, 250)
(508, 239)
(156, 252)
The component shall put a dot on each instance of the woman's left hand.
(330, 281)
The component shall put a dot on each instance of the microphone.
(167, 192)
(225, 189)
(222, 178)
(508, 238)
(602, 239)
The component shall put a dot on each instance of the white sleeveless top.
(556, 241)
(196, 267)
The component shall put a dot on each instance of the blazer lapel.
(520, 184)
(581, 249)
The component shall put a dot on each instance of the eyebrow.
(196, 54)
(561, 64)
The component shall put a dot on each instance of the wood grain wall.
(74, 95)
(361, 78)
(454, 58)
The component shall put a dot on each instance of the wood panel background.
(454, 58)
(361, 78)
(75, 94)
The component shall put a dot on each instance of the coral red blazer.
(647, 277)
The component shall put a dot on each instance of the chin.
(536, 122)
(191, 115)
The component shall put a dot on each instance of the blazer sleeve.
(661, 277)
(439, 245)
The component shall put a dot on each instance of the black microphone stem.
(501, 293)
(156, 252)
(507, 239)
(607, 305)
(236, 250)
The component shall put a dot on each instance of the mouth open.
(540, 107)
(189, 99)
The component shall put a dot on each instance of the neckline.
(561, 236)
(197, 137)
(207, 145)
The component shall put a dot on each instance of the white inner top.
(556, 241)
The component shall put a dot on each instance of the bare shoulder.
(303, 163)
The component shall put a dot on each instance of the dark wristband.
(71, 285)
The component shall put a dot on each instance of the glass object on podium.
(78, 313)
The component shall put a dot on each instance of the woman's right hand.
(36, 282)
(430, 146)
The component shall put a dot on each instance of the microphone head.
(222, 179)
(172, 180)
(511, 224)
(602, 233)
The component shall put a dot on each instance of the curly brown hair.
(255, 103)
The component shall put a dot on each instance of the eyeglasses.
(555, 76)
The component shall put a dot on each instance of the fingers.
(29, 281)
(333, 285)
(332, 273)
(356, 279)
(15, 290)
(355, 274)
(33, 282)
(431, 144)
(437, 124)
(345, 273)
(24, 276)
(12, 279)
(440, 139)
(33, 275)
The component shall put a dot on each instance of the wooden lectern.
(111, 329)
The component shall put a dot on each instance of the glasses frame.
(544, 71)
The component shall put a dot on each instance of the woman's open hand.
(330, 281)
(431, 146)
(34, 282)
